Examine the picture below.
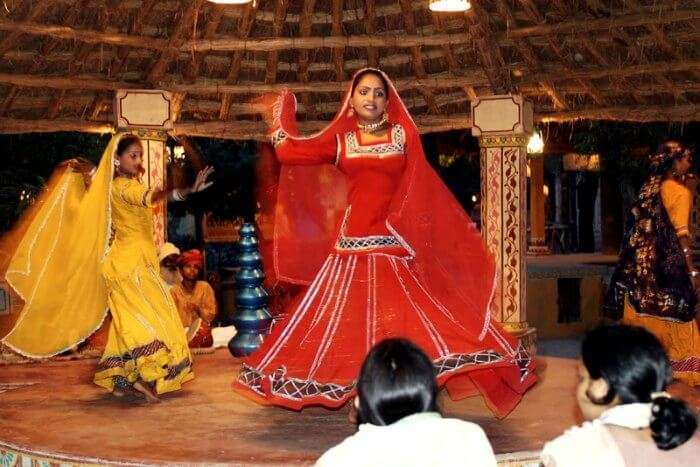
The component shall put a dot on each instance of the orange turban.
(191, 257)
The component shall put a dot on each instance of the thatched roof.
(61, 60)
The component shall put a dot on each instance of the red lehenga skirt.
(314, 355)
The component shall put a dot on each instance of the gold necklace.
(374, 127)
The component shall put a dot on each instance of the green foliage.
(446, 160)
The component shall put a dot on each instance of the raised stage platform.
(565, 292)
(52, 412)
(575, 265)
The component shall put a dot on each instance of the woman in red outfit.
(386, 251)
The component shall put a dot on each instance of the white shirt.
(423, 439)
(590, 444)
(610, 441)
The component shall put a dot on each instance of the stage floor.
(52, 410)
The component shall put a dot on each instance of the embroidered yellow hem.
(157, 368)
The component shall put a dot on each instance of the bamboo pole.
(399, 59)
(396, 40)
(214, 128)
(253, 130)
(642, 114)
(193, 104)
(579, 26)
(83, 35)
(436, 81)
(13, 126)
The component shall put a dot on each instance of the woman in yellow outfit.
(88, 250)
(656, 279)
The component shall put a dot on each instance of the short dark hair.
(369, 71)
(397, 379)
(126, 141)
(633, 363)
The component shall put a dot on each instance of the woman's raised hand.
(201, 183)
(79, 164)
(266, 105)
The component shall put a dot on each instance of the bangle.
(694, 273)
(177, 195)
(686, 250)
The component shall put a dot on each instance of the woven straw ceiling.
(599, 59)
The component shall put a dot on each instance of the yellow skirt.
(146, 339)
(681, 341)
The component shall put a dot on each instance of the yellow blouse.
(131, 215)
(677, 200)
(132, 225)
(201, 303)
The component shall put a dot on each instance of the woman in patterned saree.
(90, 250)
(386, 251)
(655, 282)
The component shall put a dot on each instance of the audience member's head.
(168, 255)
(191, 263)
(399, 421)
(396, 380)
(624, 365)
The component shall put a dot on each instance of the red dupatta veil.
(449, 257)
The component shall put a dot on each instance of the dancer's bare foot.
(143, 389)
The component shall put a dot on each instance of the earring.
(351, 111)
(116, 163)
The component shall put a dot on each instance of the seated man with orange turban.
(195, 300)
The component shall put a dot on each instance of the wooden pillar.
(148, 114)
(537, 244)
(503, 125)
(155, 163)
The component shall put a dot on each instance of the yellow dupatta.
(57, 266)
